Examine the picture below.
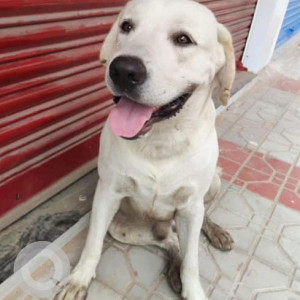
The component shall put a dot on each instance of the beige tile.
(138, 293)
(292, 249)
(44, 272)
(147, 266)
(297, 274)
(219, 294)
(296, 286)
(25, 297)
(156, 297)
(207, 265)
(99, 291)
(14, 294)
(277, 295)
(228, 219)
(259, 276)
(114, 270)
(74, 248)
(244, 238)
(226, 284)
(272, 254)
(229, 262)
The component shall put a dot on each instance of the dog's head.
(157, 53)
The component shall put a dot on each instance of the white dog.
(159, 148)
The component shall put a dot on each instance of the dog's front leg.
(188, 224)
(105, 206)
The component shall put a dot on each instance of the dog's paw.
(221, 239)
(194, 294)
(173, 277)
(195, 297)
(218, 236)
(191, 286)
(72, 292)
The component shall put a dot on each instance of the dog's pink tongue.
(128, 117)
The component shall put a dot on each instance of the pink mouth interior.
(128, 118)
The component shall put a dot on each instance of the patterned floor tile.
(264, 113)
(291, 248)
(294, 105)
(289, 123)
(229, 263)
(292, 232)
(98, 291)
(207, 264)
(260, 173)
(228, 219)
(296, 285)
(245, 238)
(246, 204)
(114, 270)
(219, 294)
(271, 253)
(284, 222)
(137, 293)
(259, 276)
(73, 248)
(246, 133)
(290, 198)
(277, 295)
(155, 297)
(277, 97)
(146, 266)
(14, 294)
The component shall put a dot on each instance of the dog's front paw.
(192, 289)
(194, 294)
(72, 292)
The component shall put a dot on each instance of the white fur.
(180, 152)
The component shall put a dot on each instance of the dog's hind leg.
(139, 232)
(218, 236)
(214, 188)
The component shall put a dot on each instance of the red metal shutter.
(53, 100)
(237, 15)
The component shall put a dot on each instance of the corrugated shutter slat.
(53, 100)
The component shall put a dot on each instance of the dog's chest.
(159, 194)
(156, 199)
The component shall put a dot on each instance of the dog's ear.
(109, 43)
(225, 75)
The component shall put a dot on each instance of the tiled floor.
(259, 137)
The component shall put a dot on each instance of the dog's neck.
(177, 135)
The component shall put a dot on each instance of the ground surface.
(259, 205)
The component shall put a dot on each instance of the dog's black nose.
(127, 72)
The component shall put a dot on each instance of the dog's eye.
(126, 26)
(182, 40)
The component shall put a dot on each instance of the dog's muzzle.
(130, 118)
(127, 73)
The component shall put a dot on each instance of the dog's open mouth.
(130, 119)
